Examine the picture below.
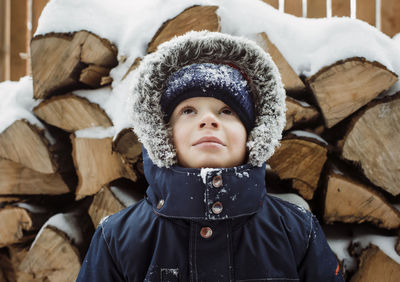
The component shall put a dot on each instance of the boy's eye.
(187, 111)
(227, 111)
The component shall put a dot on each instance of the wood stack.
(339, 151)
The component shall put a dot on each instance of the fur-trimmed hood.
(150, 78)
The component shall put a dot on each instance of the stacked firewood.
(339, 152)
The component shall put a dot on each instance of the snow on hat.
(219, 81)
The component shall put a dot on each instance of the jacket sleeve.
(99, 264)
(319, 262)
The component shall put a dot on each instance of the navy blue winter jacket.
(215, 225)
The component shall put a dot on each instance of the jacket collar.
(204, 194)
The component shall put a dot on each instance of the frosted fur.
(150, 78)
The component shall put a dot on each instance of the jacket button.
(160, 204)
(205, 232)
(217, 208)
(217, 181)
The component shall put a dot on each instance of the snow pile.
(17, 102)
(68, 223)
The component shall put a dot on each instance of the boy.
(209, 111)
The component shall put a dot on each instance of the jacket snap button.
(160, 204)
(217, 208)
(217, 181)
(206, 232)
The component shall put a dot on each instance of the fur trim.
(150, 78)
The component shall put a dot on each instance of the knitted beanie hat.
(219, 81)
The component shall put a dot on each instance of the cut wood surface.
(107, 201)
(92, 75)
(375, 266)
(300, 159)
(96, 164)
(290, 79)
(8, 200)
(17, 253)
(13, 222)
(15, 179)
(7, 273)
(373, 142)
(298, 113)
(71, 113)
(52, 258)
(194, 18)
(344, 87)
(23, 143)
(128, 145)
(352, 202)
(58, 60)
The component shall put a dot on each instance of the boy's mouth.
(208, 139)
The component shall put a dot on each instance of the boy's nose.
(208, 121)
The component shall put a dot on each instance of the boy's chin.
(210, 163)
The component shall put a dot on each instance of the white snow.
(17, 102)
(204, 171)
(67, 223)
(98, 132)
(302, 133)
(31, 207)
(294, 199)
(126, 196)
(307, 44)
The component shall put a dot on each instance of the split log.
(290, 79)
(373, 141)
(92, 75)
(350, 201)
(58, 60)
(128, 145)
(24, 143)
(17, 253)
(8, 200)
(344, 87)
(375, 265)
(300, 159)
(71, 113)
(299, 113)
(15, 179)
(194, 18)
(57, 251)
(96, 164)
(134, 65)
(6, 270)
(111, 199)
(17, 223)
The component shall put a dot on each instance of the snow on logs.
(64, 62)
(343, 122)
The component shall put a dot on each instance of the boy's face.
(207, 133)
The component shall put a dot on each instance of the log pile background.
(339, 152)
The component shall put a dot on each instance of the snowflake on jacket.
(199, 224)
